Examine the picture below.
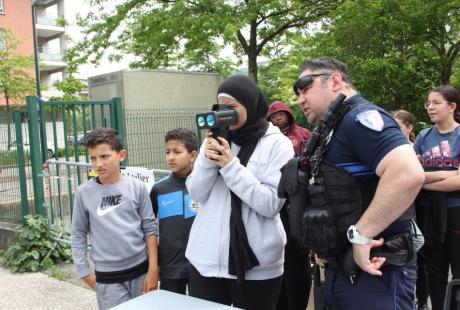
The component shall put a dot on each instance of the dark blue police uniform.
(360, 141)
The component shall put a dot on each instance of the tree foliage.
(396, 50)
(15, 82)
(70, 88)
(192, 34)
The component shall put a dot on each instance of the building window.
(2, 38)
(2, 9)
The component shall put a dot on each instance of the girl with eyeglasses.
(438, 205)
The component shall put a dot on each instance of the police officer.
(366, 149)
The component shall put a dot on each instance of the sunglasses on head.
(306, 80)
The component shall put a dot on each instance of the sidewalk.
(39, 291)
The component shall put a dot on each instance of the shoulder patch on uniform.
(371, 119)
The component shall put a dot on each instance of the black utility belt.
(122, 275)
(396, 228)
(398, 250)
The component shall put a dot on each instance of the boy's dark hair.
(328, 63)
(108, 136)
(184, 135)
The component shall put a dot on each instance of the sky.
(72, 7)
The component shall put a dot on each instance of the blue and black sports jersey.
(362, 139)
(175, 211)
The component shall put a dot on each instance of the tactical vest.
(344, 196)
(332, 189)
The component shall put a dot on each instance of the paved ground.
(39, 291)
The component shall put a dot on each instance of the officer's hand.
(219, 153)
(361, 254)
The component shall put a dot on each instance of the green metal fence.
(60, 189)
(47, 129)
(11, 195)
(58, 130)
(146, 129)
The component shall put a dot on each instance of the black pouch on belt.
(398, 250)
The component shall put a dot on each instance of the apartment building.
(50, 31)
(50, 34)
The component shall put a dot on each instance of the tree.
(70, 87)
(191, 34)
(389, 47)
(15, 82)
(443, 32)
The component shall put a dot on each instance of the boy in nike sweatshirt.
(175, 210)
(116, 212)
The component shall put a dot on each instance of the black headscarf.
(246, 92)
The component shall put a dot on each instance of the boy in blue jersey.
(175, 209)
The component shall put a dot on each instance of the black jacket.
(176, 211)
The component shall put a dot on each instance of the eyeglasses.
(435, 103)
(306, 80)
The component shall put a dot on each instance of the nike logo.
(102, 212)
(165, 203)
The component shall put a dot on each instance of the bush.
(34, 250)
(81, 150)
(11, 157)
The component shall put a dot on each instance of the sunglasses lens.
(301, 83)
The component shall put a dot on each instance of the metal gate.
(61, 179)
(58, 129)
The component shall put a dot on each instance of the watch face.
(350, 234)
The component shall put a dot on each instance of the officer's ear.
(336, 81)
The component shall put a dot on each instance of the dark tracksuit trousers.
(295, 288)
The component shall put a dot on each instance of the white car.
(80, 138)
(13, 148)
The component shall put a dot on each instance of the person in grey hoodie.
(236, 244)
(116, 213)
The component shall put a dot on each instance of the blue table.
(164, 300)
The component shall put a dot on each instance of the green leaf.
(32, 246)
(192, 34)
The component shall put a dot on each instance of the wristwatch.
(354, 236)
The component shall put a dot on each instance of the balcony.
(51, 59)
(49, 26)
(45, 2)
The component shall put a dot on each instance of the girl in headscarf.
(237, 241)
